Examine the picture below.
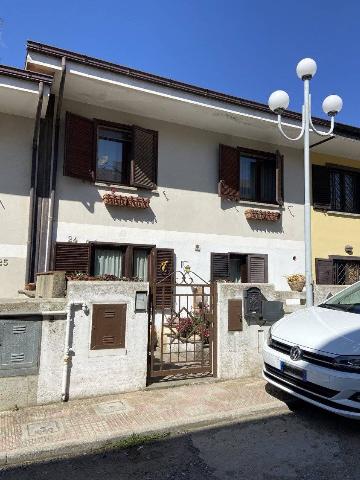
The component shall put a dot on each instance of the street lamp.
(278, 102)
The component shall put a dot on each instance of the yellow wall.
(332, 231)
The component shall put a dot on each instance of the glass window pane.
(108, 261)
(235, 270)
(248, 178)
(111, 154)
(268, 181)
(336, 191)
(140, 269)
(349, 193)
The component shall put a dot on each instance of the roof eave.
(340, 129)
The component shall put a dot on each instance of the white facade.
(185, 210)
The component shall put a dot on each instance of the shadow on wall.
(256, 225)
(133, 215)
(88, 194)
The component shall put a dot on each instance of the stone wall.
(322, 292)
(107, 371)
(92, 372)
(239, 353)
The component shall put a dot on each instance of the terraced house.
(336, 218)
(110, 170)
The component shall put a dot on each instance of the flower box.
(267, 215)
(125, 201)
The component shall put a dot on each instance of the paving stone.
(51, 428)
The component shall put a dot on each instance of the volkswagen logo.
(295, 353)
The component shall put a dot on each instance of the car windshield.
(347, 300)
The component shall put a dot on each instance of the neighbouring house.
(336, 217)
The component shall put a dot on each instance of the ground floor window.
(108, 261)
(239, 267)
(346, 272)
(141, 264)
(337, 270)
(238, 272)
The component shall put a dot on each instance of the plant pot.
(297, 286)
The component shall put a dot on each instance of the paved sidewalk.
(81, 426)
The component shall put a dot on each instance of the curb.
(74, 449)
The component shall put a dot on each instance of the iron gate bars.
(181, 326)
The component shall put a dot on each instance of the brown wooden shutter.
(321, 187)
(235, 323)
(72, 257)
(257, 268)
(144, 158)
(229, 171)
(324, 269)
(220, 266)
(164, 277)
(279, 178)
(108, 326)
(79, 147)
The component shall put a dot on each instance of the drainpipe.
(54, 164)
(33, 185)
(68, 348)
(67, 356)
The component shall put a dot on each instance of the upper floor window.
(251, 175)
(257, 179)
(97, 150)
(336, 188)
(113, 155)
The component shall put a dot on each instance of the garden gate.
(182, 327)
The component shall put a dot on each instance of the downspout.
(33, 186)
(54, 165)
(67, 356)
(68, 351)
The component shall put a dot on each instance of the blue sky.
(245, 48)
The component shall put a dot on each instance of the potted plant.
(296, 282)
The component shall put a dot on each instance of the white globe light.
(278, 101)
(332, 105)
(306, 68)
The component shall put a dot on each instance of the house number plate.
(4, 262)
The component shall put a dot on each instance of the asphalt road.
(302, 444)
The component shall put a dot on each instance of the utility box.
(19, 346)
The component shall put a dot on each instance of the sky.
(244, 48)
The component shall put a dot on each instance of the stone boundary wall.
(92, 372)
(239, 353)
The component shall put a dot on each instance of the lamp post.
(278, 102)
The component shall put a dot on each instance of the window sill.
(341, 214)
(125, 188)
(250, 203)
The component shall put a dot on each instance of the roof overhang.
(115, 87)
(19, 91)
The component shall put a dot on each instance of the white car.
(314, 354)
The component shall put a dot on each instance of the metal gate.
(182, 327)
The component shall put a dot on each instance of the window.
(257, 179)
(236, 267)
(336, 189)
(113, 155)
(337, 270)
(96, 150)
(108, 261)
(141, 264)
(251, 175)
(344, 191)
(238, 273)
